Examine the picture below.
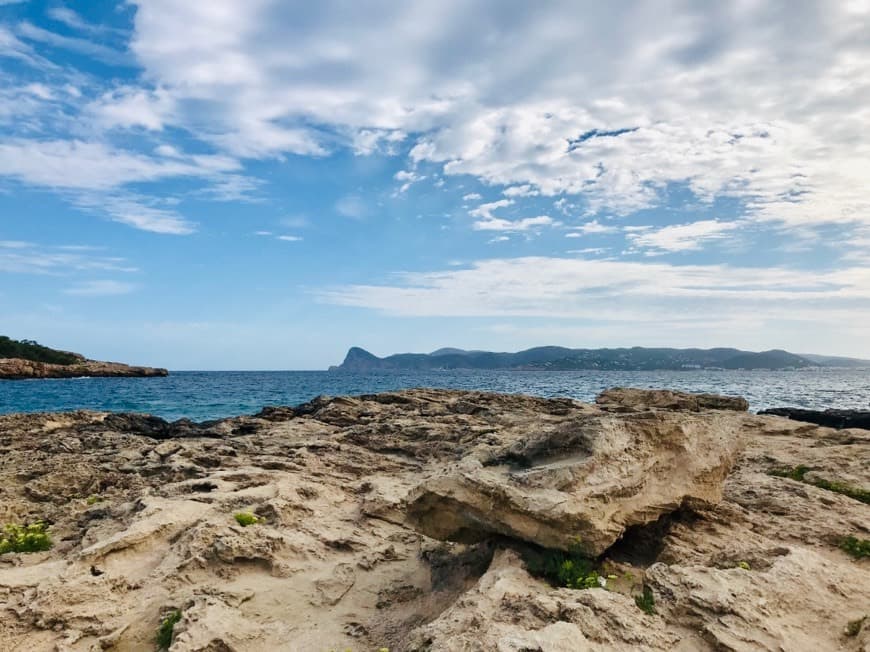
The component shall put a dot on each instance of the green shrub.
(245, 519)
(799, 472)
(858, 548)
(744, 565)
(24, 538)
(646, 602)
(570, 569)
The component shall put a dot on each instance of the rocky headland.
(439, 521)
(26, 359)
(559, 358)
(20, 369)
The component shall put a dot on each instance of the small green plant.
(744, 565)
(570, 569)
(853, 627)
(646, 602)
(799, 472)
(93, 500)
(24, 538)
(245, 519)
(858, 548)
(164, 632)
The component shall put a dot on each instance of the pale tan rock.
(334, 564)
(629, 397)
(583, 484)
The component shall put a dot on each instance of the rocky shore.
(439, 521)
(20, 369)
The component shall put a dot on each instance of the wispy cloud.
(681, 237)
(525, 224)
(80, 45)
(578, 288)
(20, 257)
(104, 288)
(352, 206)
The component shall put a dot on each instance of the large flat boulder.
(582, 481)
(667, 399)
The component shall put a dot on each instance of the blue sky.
(262, 184)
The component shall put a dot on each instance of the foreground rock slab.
(142, 517)
(579, 480)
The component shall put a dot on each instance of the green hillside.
(30, 350)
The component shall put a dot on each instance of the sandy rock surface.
(141, 514)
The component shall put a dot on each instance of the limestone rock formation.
(19, 369)
(631, 398)
(141, 513)
(582, 480)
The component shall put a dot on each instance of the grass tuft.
(799, 472)
(245, 519)
(164, 632)
(646, 602)
(24, 538)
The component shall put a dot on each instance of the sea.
(204, 395)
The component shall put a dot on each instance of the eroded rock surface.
(581, 480)
(141, 513)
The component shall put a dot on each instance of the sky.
(263, 184)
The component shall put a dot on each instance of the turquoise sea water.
(201, 395)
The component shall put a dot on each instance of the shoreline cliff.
(20, 369)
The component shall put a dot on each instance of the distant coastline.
(556, 358)
(26, 359)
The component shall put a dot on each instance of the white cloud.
(133, 107)
(485, 210)
(524, 190)
(472, 196)
(289, 238)
(407, 177)
(351, 206)
(135, 211)
(104, 288)
(593, 227)
(95, 166)
(681, 237)
(674, 94)
(525, 224)
(646, 294)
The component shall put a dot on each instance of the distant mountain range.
(559, 358)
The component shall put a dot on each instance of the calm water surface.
(203, 395)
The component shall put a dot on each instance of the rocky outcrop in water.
(19, 369)
(340, 555)
(827, 418)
